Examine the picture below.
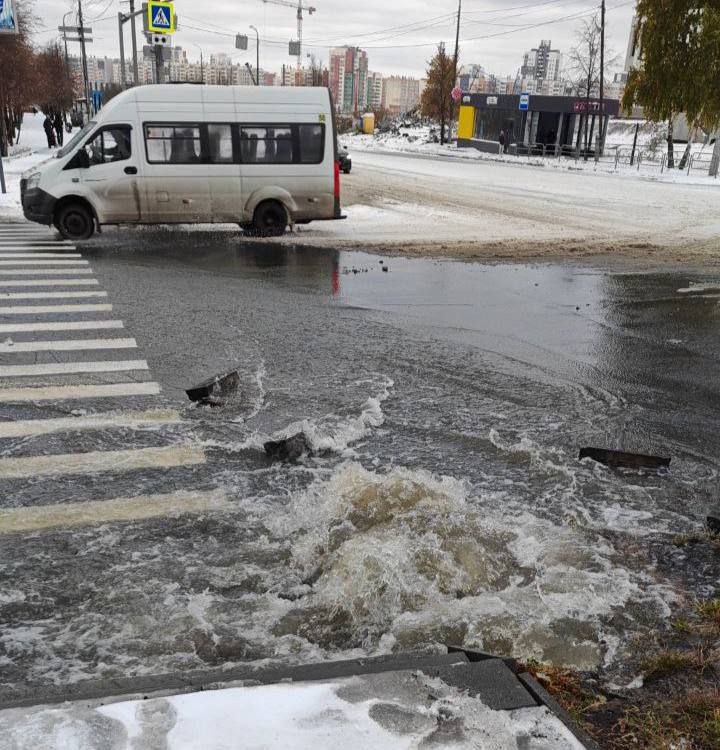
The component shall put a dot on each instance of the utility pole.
(3, 188)
(601, 131)
(67, 62)
(457, 44)
(134, 41)
(159, 62)
(121, 18)
(84, 59)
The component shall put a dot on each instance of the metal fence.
(614, 157)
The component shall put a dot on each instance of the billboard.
(8, 18)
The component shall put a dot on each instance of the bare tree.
(583, 65)
(436, 102)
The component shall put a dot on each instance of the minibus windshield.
(76, 139)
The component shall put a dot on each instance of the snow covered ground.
(419, 205)
(651, 146)
(30, 150)
(376, 711)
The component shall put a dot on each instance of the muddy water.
(446, 403)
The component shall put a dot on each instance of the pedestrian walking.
(58, 124)
(502, 140)
(49, 132)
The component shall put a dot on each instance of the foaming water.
(423, 560)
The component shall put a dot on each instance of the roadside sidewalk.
(32, 150)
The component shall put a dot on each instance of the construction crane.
(300, 8)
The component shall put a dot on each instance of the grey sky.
(383, 27)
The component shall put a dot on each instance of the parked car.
(344, 159)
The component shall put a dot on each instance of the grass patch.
(668, 663)
(566, 686)
(691, 722)
(697, 537)
(709, 611)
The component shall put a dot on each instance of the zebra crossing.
(84, 437)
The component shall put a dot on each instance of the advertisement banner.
(8, 19)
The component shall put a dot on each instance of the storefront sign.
(582, 105)
(491, 101)
(524, 104)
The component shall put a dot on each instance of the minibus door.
(175, 178)
(112, 174)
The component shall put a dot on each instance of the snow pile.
(355, 713)
(30, 150)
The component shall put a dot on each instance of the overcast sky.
(398, 35)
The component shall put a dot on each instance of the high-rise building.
(375, 89)
(471, 79)
(632, 56)
(400, 94)
(542, 63)
(348, 79)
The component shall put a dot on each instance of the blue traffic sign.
(524, 104)
(160, 17)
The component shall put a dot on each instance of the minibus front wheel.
(74, 220)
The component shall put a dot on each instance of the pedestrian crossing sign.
(160, 17)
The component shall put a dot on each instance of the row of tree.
(679, 69)
(29, 77)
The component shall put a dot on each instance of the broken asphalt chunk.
(213, 390)
(288, 449)
(620, 459)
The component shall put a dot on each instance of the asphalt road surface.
(445, 404)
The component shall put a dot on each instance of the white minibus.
(261, 157)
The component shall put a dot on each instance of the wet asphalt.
(491, 376)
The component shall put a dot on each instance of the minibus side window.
(110, 144)
(173, 144)
(312, 143)
(220, 144)
(272, 144)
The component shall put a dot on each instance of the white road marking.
(43, 262)
(38, 271)
(134, 420)
(39, 518)
(50, 295)
(50, 282)
(67, 346)
(73, 392)
(41, 255)
(48, 309)
(101, 461)
(71, 368)
(72, 325)
(16, 243)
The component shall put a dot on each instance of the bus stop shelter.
(551, 125)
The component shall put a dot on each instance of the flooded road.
(446, 403)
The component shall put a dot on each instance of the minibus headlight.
(33, 181)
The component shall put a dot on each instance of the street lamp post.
(202, 67)
(257, 49)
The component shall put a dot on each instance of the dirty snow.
(354, 714)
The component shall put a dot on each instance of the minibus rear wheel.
(270, 219)
(74, 221)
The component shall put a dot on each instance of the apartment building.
(400, 94)
(348, 79)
